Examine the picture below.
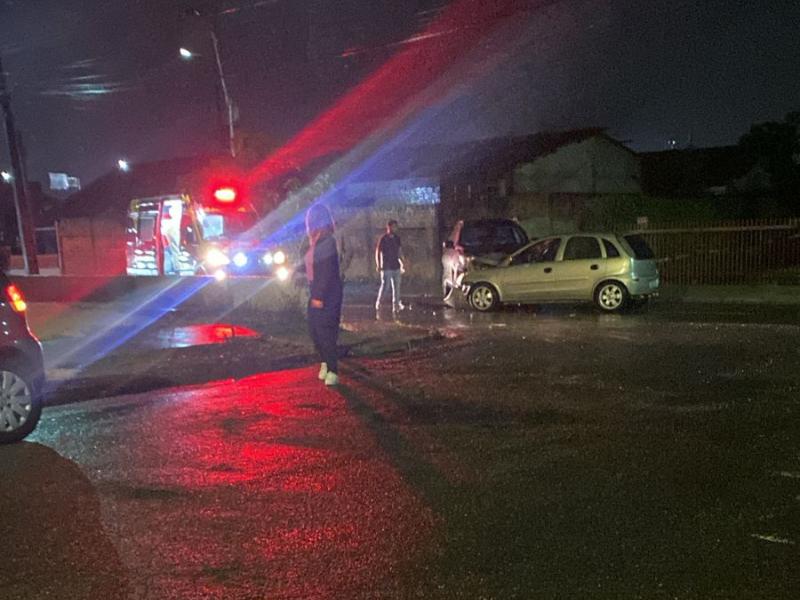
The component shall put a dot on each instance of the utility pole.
(27, 232)
(211, 21)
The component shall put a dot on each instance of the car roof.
(491, 221)
(580, 234)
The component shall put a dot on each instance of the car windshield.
(229, 225)
(486, 237)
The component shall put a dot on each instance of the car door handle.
(548, 269)
(594, 267)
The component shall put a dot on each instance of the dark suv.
(21, 367)
(482, 238)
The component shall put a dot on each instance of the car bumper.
(31, 351)
(644, 287)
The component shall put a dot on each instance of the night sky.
(96, 80)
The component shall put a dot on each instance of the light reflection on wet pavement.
(268, 487)
(196, 335)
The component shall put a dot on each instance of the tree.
(775, 148)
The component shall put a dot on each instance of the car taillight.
(16, 299)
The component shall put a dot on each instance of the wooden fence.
(726, 253)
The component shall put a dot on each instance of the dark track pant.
(323, 325)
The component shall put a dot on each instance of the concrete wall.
(95, 248)
(92, 247)
(361, 229)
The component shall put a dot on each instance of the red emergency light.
(226, 194)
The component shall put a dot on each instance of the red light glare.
(225, 194)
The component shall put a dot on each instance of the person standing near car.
(390, 263)
(326, 290)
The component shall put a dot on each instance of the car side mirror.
(449, 245)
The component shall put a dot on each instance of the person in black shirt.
(390, 263)
(326, 290)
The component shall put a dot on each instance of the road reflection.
(53, 541)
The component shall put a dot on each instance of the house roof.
(500, 155)
(494, 155)
(110, 195)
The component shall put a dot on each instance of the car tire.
(611, 296)
(483, 297)
(20, 403)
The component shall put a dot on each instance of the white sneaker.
(331, 379)
(323, 371)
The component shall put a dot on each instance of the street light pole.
(24, 220)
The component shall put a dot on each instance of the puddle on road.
(200, 335)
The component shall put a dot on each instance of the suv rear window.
(490, 235)
(640, 248)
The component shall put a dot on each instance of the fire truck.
(177, 234)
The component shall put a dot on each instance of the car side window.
(611, 249)
(582, 248)
(544, 251)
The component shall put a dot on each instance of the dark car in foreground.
(21, 367)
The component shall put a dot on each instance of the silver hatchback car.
(610, 270)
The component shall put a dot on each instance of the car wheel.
(483, 297)
(611, 296)
(20, 404)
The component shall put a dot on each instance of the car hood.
(489, 260)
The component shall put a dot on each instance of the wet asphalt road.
(530, 454)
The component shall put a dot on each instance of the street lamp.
(123, 165)
(187, 54)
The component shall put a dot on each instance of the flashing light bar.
(225, 194)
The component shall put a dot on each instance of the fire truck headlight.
(220, 275)
(282, 273)
(217, 258)
(240, 259)
(279, 257)
(268, 258)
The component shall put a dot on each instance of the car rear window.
(488, 234)
(641, 249)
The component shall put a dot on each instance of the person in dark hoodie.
(326, 289)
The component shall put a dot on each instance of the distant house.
(544, 180)
(110, 196)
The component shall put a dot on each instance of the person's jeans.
(390, 277)
(323, 325)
